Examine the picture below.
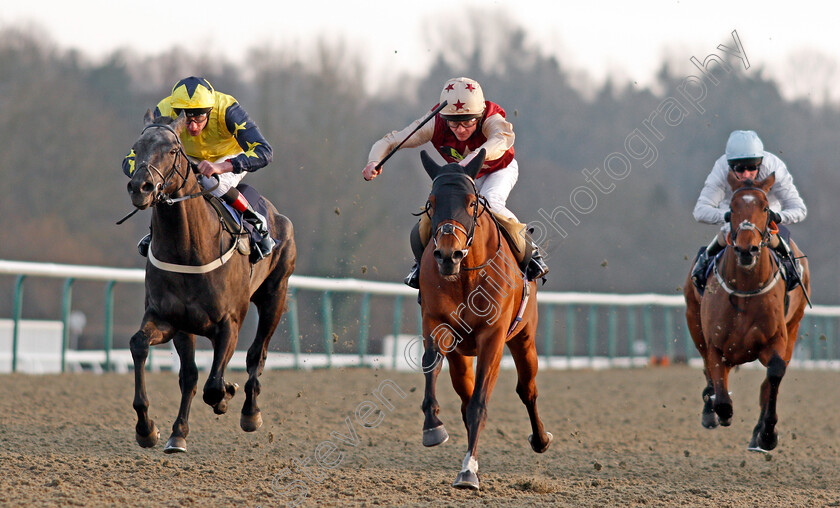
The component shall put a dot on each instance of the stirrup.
(412, 280)
(143, 245)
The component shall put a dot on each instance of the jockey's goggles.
(739, 166)
(465, 124)
(195, 115)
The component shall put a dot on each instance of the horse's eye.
(173, 151)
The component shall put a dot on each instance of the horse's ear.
(472, 168)
(767, 182)
(149, 117)
(733, 181)
(179, 123)
(429, 165)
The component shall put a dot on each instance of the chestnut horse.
(474, 300)
(197, 285)
(742, 315)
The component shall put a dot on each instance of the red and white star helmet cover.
(464, 98)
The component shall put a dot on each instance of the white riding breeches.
(497, 186)
(226, 180)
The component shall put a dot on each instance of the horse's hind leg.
(524, 355)
(187, 380)
(150, 334)
(764, 436)
(270, 311)
(217, 391)
(434, 433)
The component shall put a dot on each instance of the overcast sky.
(796, 42)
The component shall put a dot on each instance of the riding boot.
(536, 269)
(701, 266)
(266, 244)
(412, 280)
(792, 277)
(143, 245)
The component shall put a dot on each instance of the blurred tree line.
(67, 123)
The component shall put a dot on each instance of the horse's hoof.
(760, 443)
(250, 423)
(466, 480)
(221, 408)
(150, 440)
(724, 413)
(435, 436)
(176, 444)
(547, 442)
(709, 421)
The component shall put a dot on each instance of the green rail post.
(294, 326)
(397, 321)
(570, 334)
(18, 309)
(592, 335)
(326, 309)
(549, 333)
(109, 323)
(670, 337)
(65, 318)
(364, 328)
(612, 330)
(647, 329)
(631, 333)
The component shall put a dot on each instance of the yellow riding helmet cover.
(192, 93)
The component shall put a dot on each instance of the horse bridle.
(749, 226)
(159, 195)
(449, 228)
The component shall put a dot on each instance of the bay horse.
(742, 316)
(474, 300)
(197, 285)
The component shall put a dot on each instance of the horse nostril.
(147, 187)
(457, 256)
(754, 249)
(438, 255)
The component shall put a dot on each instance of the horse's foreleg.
(719, 376)
(487, 372)
(147, 433)
(434, 433)
(187, 380)
(524, 355)
(463, 379)
(764, 436)
(217, 391)
(269, 311)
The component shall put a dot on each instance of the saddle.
(232, 222)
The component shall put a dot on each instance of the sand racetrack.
(622, 438)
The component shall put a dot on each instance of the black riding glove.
(775, 216)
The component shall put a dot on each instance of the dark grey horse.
(197, 284)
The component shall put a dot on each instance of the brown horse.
(197, 285)
(474, 301)
(742, 315)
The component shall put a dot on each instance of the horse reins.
(160, 196)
